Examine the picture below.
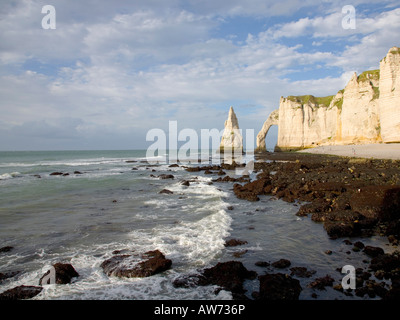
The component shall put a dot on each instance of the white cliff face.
(389, 98)
(360, 111)
(231, 138)
(304, 124)
(366, 111)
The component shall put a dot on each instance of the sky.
(111, 71)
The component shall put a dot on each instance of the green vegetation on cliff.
(369, 75)
(318, 101)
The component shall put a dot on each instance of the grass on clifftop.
(369, 75)
(318, 101)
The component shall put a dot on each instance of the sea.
(110, 200)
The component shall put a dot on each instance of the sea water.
(110, 200)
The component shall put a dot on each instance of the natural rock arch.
(272, 120)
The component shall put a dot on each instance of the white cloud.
(121, 72)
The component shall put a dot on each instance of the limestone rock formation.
(231, 140)
(389, 96)
(273, 119)
(367, 110)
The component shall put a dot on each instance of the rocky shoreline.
(350, 197)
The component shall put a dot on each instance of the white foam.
(6, 176)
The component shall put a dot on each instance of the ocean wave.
(70, 163)
(6, 176)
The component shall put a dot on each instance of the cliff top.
(369, 75)
(317, 101)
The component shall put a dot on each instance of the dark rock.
(166, 191)
(20, 293)
(175, 165)
(359, 245)
(263, 264)
(230, 179)
(6, 249)
(127, 266)
(278, 287)
(373, 251)
(77, 172)
(281, 264)
(338, 215)
(385, 262)
(378, 202)
(372, 289)
(228, 275)
(250, 191)
(230, 208)
(321, 283)
(7, 275)
(166, 176)
(193, 169)
(318, 206)
(234, 243)
(65, 174)
(338, 229)
(301, 272)
(56, 173)
(188, 281)
(185, 183)
(64, 272)
(134, 169)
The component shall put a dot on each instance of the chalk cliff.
(367, 110)
(232, 140)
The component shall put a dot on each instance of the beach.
(375, 151)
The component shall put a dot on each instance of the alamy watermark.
(49, 276)
(349, 18)
(49, 20)
(349, 280)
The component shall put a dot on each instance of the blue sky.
(113, 70)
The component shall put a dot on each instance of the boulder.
(373, 251)
(250, 191)
(234, 242)
(281, 264)
(278, 287)
(166, 191)
(6, 249)
(228, 275)
(166, 176)
(64, 272)
(127, 265)
(56, 173)
(20, 293)
(338, 229)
